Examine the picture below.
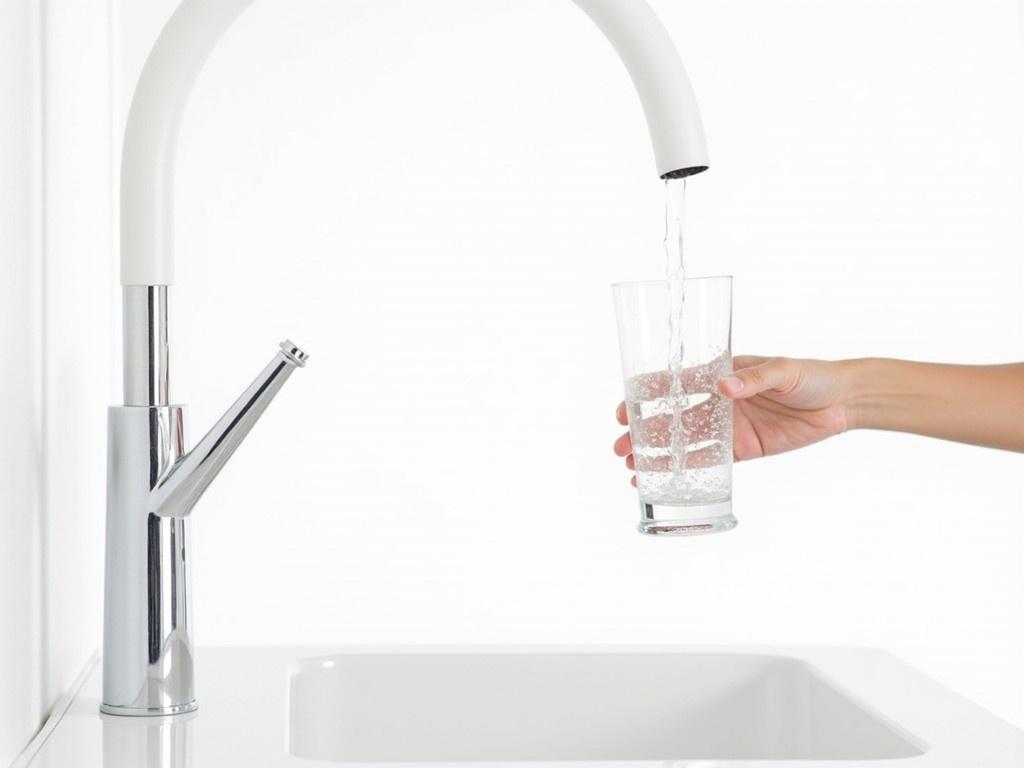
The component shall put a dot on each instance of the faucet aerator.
(682, 173)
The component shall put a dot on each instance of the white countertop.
(244, 711)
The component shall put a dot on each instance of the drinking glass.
(679, 422)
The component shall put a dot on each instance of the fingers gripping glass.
(679, 423)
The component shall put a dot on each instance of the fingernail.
(733, 383)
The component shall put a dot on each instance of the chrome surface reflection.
(152, 485)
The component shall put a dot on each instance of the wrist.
(871, 389)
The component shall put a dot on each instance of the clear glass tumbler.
(679, 422)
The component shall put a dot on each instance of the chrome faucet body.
(153, 482)
(152, 485)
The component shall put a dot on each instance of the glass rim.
(664, 281)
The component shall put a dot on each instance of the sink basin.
(645, 706)
(597, 707)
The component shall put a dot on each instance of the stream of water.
(675, 274)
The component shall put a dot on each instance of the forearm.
(978, 404)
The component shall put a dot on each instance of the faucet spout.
(188, 478)
(193, 31)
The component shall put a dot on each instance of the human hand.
(781, 403)
(778, 404)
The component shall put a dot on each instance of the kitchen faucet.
(153, 482)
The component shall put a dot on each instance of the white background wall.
(432, 198)
(80, 329)
(20, 336)
(57, 315)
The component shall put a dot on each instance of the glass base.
(174, 709)
(686, 519)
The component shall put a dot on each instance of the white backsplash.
(57, 295)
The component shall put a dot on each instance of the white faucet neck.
(150, 144)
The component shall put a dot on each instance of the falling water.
(675, 273)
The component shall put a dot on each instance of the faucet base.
(177, 709)
(147, 639)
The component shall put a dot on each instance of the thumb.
(778, 374)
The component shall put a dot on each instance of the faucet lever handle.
(191, 475)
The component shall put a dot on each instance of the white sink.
(663, 707)
(596, 707)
